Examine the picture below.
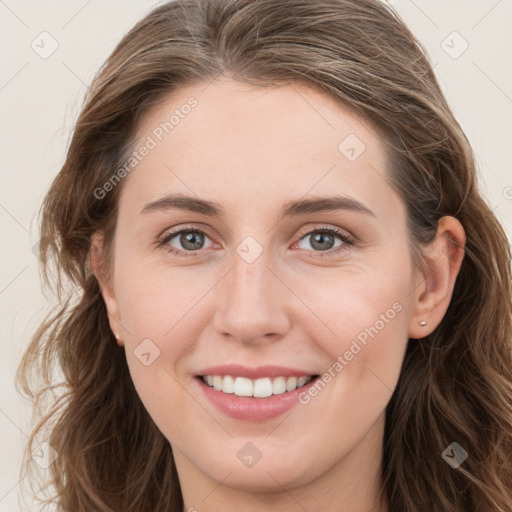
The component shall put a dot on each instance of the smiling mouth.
(255, 388)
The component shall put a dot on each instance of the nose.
(252, 303)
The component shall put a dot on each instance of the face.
(256, 281)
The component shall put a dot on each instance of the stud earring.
(423, 323)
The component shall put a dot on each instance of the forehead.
(229, 137)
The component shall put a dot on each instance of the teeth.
(262, 388)
(259, 388)
(279, 386)
(217, 382)
(291, 383)
(302, 380)
(228, 384)
(242, 387)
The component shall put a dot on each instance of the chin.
(268, 474)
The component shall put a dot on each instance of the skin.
(251, 150)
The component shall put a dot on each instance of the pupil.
(189, 238)
(321, 238)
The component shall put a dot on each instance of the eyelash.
(345, 238)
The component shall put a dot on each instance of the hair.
(455, 384)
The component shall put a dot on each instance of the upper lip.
(257, 372)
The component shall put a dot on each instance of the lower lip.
(250, 408)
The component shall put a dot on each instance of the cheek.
(369, 321)
(158, 313)
(363, 315)
(360, 305)
(157, 302)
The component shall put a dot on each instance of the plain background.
(40, 99)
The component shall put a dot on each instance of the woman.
(221, 146)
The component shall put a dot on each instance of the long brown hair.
(455, 384)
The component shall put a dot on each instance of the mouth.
(254, 400)
(255, 388)
(254, 393)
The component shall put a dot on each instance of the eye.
(323, 241)
(190, 239)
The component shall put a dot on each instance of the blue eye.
(323, 241)
(324, 237)
(190, 240)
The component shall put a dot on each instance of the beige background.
(40, 98)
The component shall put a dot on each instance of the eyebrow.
(289, 209)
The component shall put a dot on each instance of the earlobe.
(106, 286)
(433, 293)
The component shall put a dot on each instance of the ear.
(106, 286)
(433, 291)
